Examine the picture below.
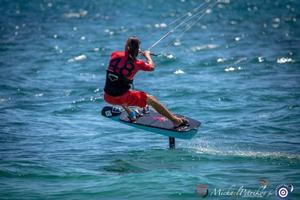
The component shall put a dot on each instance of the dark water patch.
(123, 167)
(69, 110)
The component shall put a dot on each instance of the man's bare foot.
(180, 122)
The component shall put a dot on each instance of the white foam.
(204, 47)
(161, 25)
(237, 39)
(79, 14)
(177, 43)
(67, 92)
(276, 20)
(78, 58)
(208, 11)
(284, 60)
(224, 1)
(204, 27)
(5, 99)
(246, 153)
(179, 71)
(230, 69)
(170, 56)
(220, 60)
(260, 59)
(58, 49)
(39, 95)
(109, 32)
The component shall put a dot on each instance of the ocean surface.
(236, 69)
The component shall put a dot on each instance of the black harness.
(116, 83)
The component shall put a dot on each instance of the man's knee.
(150, 99)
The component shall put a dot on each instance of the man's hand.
(146, 53)
(148, 57)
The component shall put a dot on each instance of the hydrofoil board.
(153, 122)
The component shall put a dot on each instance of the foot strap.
(132, 116)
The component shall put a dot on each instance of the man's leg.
(127, 109)
(151, 100)
(131, 117)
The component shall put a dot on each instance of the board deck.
(155, 122)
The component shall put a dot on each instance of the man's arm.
(149, 59)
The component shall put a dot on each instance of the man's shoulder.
(116, 54)
(139, 62)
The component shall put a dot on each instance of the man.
(122, 68)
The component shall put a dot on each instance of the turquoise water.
(237, 71)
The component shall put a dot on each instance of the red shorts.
(130, 98)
